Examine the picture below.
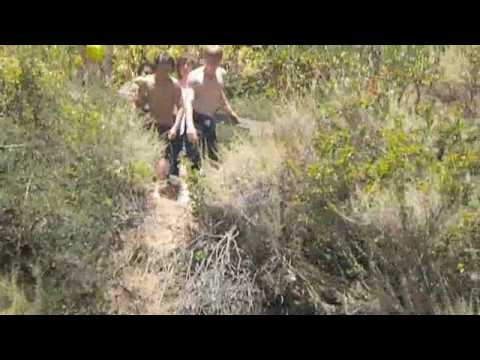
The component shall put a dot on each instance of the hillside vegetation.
(356, 190)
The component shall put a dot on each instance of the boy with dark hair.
(163, 96)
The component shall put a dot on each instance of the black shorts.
(208, 134)
(163, 132)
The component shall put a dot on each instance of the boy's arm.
(190, 127)
(180, 110)
(223, 98)
(180, 106)
(227, 107)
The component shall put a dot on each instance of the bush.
(71, 162)
(380, 203)
(342, 211)
(248, 193)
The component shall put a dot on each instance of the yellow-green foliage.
(365, 186)
(367, 204)
(71, 159)
(12, 299)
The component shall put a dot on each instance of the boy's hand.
(235, 118)
(172, 134)
(192, 137)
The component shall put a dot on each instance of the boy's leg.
(208, 139)
(199, 124)
(203, 141)
(193, 152)
(163, 167)
(175, 149)
(211, 140)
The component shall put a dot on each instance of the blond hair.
(213, 50)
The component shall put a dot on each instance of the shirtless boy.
(163, 96)
(207, 83)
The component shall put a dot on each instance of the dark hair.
(165, 59)
(145, 68)
(184, 59)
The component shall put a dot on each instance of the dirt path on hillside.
(148, 280)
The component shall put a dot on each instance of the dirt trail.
(171, 218)
(148, 281)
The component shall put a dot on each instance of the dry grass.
(146, 279)
(453, 64)
(242, 217)
(221, 280)
(374, 252)
(13, 300)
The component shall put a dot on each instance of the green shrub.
(71, 159)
